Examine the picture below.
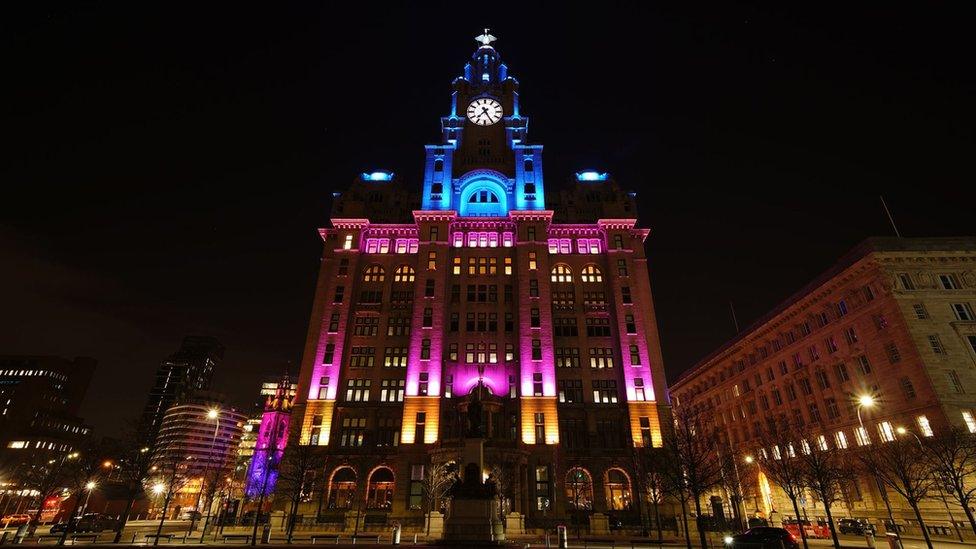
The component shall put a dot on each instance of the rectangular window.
(886, 432)
(822, 381)
(535, 321)
(391, 390)
(830, 344)
(840, 440)
(456, 266)
(949, 282)
(618, 242)
(347, 242)
(366, 326)
(601, 358)
(339, 294)
(429, 287)
(540, 435)
(537, 384)
(334, 323)
(894, 356)
(571, 391)
(863, 365)
(324, 387)
(536, 349)
(508, 240)
(935, 343)
(425, 349)
(428, 317)
(622, 267)
(832, 411)
(970, 421)
(357, 390)
(533, 288)
(639, 390)
(907, 388)
(906, 281)
(362, 357)
(920, 312)
(954, 382)
(598, 327)
(841, 371)
(423, 382)
(962, 311)
(353, 431)
(631, 325)
(431, 261)
(924, 426)
(625, 294)
(420, 423)
(395, 357)
(530, 234)
(634, 356)
(850, 334)
(861, 436)
(533, 265)
(329, 355)
(604, 391)
(842, 308)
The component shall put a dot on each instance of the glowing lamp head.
(728, 540)
(106, 464)
(378, 175)
(158, 488)
(212, 414)
(749, 459)
(591, 175)
(865, 401)
(901, 430)
(90, 486)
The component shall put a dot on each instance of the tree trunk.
(830, 521)
(964, 503)
(698, 522)
(657, 519)
(74, 511)
(799, 523)
(921, 524)
(124, 517)
(292, 515)
(162, 519)
(684, 519)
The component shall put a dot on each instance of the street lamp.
(868, 401)
(214, 414)
(89, 486)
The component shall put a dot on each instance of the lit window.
(970, 421)
(404, 273)
(347, 243)
(456, 266)
(861, 436)
(431, 261)
(508, 265)
(458, 239)
(561, 273)
(924, 426)
(840, 440)
(374, 273)
(886, 431)
(507, 240)
(532, 261)
(591, 273)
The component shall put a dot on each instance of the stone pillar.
(599, 524)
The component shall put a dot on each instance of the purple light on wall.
(272, 439)
(466, 378)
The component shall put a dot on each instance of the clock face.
(484, 111)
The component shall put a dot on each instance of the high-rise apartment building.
(480, 280)
(187, 370)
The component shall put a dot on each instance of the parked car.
(764, 537)
(94, 522)
(15, 520)
(810, 530)
(191, 515)
(858, 527)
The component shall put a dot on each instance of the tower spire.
(485, 39)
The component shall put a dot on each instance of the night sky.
(166, 167)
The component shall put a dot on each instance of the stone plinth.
(599, 524)
(515, 523)
(435, 524)
(474, 518)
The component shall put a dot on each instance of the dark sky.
(166, 166)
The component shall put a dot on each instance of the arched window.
(404, 273)
(342, 488)
(561, 273)
(379, 494)
(483, 197)
(374, 273)
(579, 489)
(618, 490)
(591, 273)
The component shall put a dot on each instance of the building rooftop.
(862, 250)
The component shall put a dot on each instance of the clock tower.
(483, 167)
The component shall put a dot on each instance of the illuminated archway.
(617, 486)
(483, 193)
(342, 488)
(379, 493)
(579, 489)
(765, 494)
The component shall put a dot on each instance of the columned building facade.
(476, 284)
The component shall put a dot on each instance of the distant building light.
(378, 176)
(590, 175)
(484, 77)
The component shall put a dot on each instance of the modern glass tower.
(482, 280)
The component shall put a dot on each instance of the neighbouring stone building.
(893, 320)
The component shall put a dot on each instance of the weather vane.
(485, 39)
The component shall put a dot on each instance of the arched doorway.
(617, 487)
(379, 493)
(342, 488)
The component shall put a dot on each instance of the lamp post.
(90, 486)
(214, 414)
(868, 401)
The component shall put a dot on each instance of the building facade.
(40, 398)
(482, 282)
(187, 370)
(892, 320)
(197, 443)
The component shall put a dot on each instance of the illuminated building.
(893, 320)
(40, 397)
(544, 298)
(187, 370)
(272, 437)
(196, 440)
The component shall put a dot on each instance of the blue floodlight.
(590, 175)
(378, 176)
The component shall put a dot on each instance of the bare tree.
(650, 464)
(783, 467)
(953, 457)
(81, 474)
(826, 469)
(437, 482)
(298, 467)
(901, 466)
(170, 471)
(133, 472)
(693, 447)
(45, 476)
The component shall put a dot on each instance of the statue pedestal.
(599, 524)
(474, 518)
(435, 524)
(515, 523)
